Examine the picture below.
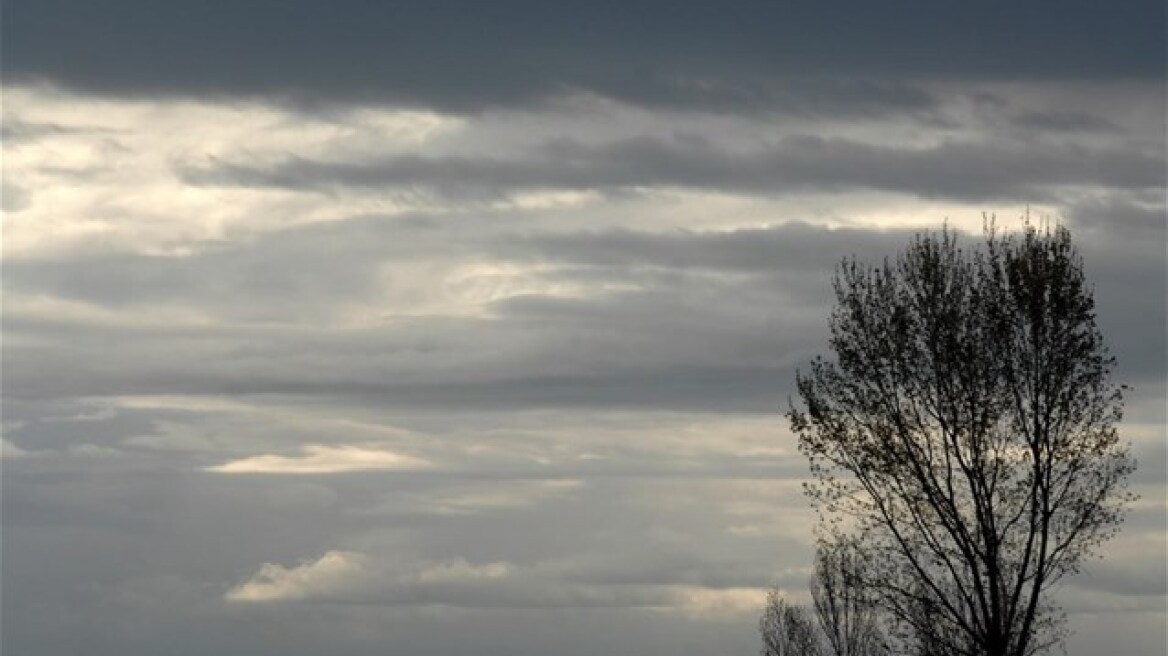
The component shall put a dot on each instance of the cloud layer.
(442, 329)
(466, 57)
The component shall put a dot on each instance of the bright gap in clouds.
(321, 459)
(105, 169)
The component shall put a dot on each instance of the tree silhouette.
(965, 435)
(844, 602)
(846, 621)
(787, 629)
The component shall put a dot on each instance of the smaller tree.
(846, 620)
(787, 629)
(844, 603)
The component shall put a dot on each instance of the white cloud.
(484, 497)
(716, 603)
(10, 450)
(104, 170)
(461, 570)
(349, 576)
(322, 459)
(353, 577)
(332, 572)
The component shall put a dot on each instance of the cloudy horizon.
(439, 328)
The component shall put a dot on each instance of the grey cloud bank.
(466, 56)
(962, 171)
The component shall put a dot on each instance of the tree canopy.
(964, 436)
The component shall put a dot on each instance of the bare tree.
(966, 427)
(844, 603)
(787, 629)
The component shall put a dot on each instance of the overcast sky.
(443, 328)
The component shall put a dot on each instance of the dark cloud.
(1111, 215)
(831, 99)
(466, 56)
(981, 171)
(1063, 121)
(518, 361)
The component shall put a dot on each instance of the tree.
(965, 435)
(846, 622)
(787, 629)
(848, 615)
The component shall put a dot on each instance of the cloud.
(1063, 121)
(952, 169)
(521, 52)
(322, 459)
(712, 319)
(10, 450)
(348, 577)
(545, 327)
(1102, 214)
(13, 197)
(460, 570)
(790, 246)
(331, 572)
(484, 498)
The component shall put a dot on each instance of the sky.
(468, 328)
